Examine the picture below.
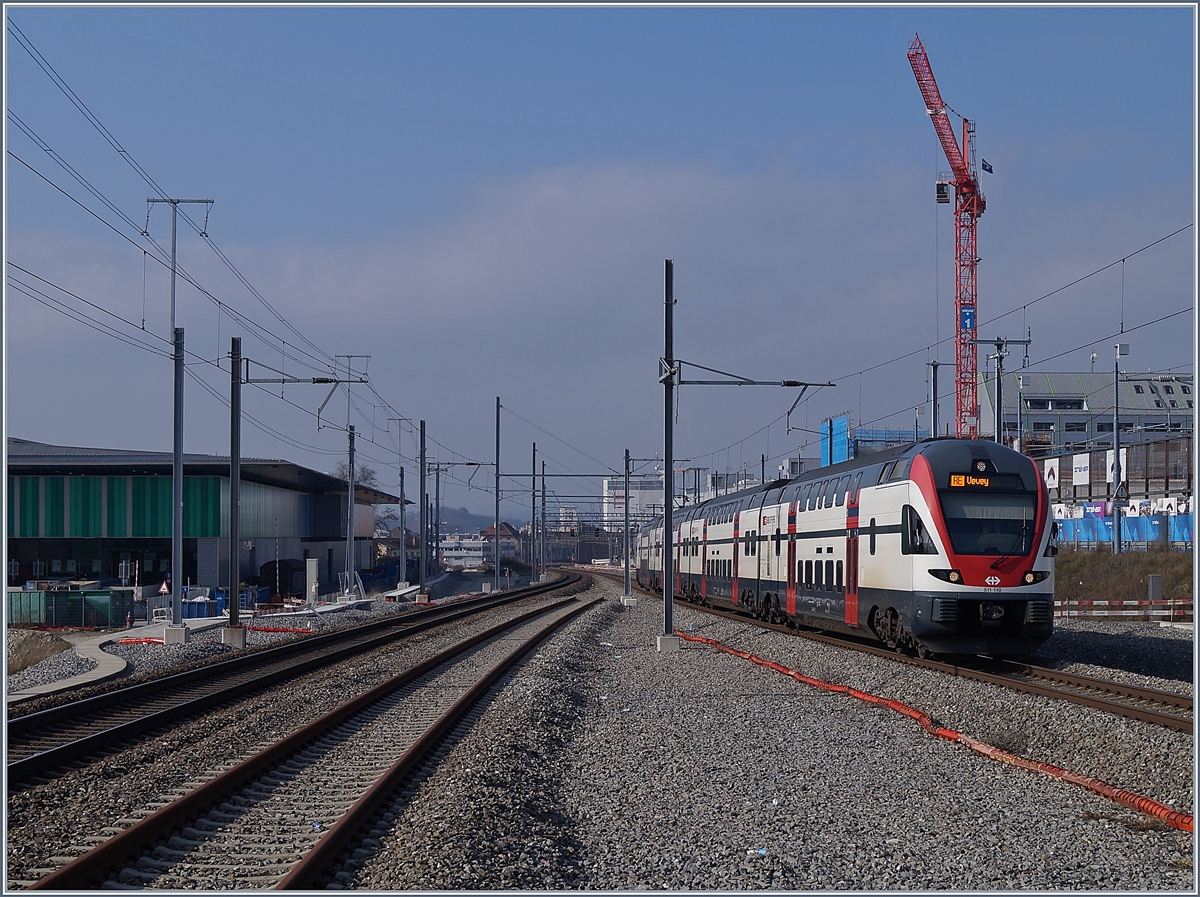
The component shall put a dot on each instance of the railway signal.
(968, 207)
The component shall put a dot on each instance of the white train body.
(944, 546)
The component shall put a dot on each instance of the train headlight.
(1035, 576)
(947, 575)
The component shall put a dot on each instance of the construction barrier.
(1144, 610)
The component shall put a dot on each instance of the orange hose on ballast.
(142, 641)
(1173, 818)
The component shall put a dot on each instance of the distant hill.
(463, 521)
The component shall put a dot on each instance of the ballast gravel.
(55, 668)
(608, 765)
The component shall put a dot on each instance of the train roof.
(948, 447)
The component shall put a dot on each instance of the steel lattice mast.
(968, 207)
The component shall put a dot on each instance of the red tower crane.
(968, 206)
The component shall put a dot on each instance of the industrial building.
(1056, 412)
(105, 514)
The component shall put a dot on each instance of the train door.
(704, 559)
(791, 558)
(851, 616)
(737, 518)
(677, 539)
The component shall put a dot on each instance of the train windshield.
(989, 522)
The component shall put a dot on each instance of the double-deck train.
(943, 546)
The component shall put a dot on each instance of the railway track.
(288, 816)
(40, 745)
(1158, 708)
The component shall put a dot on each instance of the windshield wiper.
(1017, 545)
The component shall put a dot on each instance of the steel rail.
(1014, 676)
(312, 868)
(90, 869)
(315, 655)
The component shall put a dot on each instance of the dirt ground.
(25, 647)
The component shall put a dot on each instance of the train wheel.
(923, 652)
(887, 627)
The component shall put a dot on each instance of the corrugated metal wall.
(53, 507)
(117, 519)
(140, 507)
(85, 507)
(261, 506)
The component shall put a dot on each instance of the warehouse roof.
(28, 458)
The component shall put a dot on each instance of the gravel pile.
(55, 668)
(606, 765)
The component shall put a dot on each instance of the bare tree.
(364, 475)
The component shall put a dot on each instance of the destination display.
(1006, 481)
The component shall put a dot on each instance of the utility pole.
(625, 541)
(177, 632)
(668, 371)
(422, 595)
(933, 427)
(437, 517)
(1001, 344)
(350, 520)
(1020, 442)
(542, 559)
(1122, 349)
(533, 517)
(234, 634)
(497, 493)
(403, 516)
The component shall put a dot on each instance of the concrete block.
(234, 636)
(630, 601)
(175, 635)
(668, 644)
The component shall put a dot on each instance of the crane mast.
(969, 204)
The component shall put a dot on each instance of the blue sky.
(481, 199)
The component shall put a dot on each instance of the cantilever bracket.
(666, 371)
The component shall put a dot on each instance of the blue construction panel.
(1133, 529)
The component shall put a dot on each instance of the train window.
(839, 576)
(842, 486)
(854, 487)
(804, 494)
(914, 537)
(754, 543)
(829, 575)
(808, 574)
(819, 582)
(830, 488)
(872, 539)
(886, 473)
